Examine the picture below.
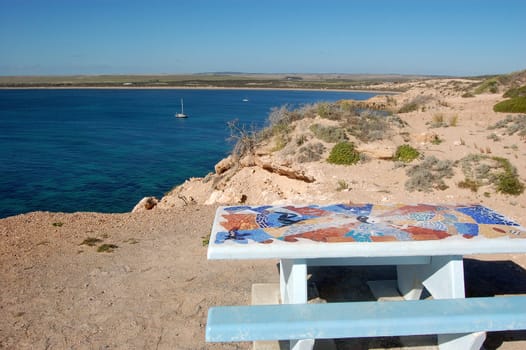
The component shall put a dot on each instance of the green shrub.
(471, 184)
(468, 95)
(406, 154)
(516, 92)
(344, 153)
(330, 134)
(509, 183)
(513, 105)
(496, 171)
(488, 85)
(342, 185)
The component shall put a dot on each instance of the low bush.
(301, 139)
(369, 127)
(513, 105)
(438, 121)
(496, 171)
(330, 111)
(280, 141)
(329, 134)
(414, 104)
(429, 175)
(344, 153)
(409, 107)
(512, 124)
(493, 137)
(489, 85)
(245, 140)
(471, 184)
(507, 181)
(342, 185)
(107, 248)
(516, 92)
(310, 153)
(406, 154)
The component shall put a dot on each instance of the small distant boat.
(181, 115)
(245, 100)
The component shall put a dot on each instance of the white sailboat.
(181, 115)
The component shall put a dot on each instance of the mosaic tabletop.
(346, 230)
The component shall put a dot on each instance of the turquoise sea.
(103, 150)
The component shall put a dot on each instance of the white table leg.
(293, 288)
(293, 281)
(443, 278)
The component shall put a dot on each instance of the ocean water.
(103, 150)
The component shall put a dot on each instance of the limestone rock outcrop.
(147, 203)
(224, 165)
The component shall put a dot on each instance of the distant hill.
(208, 80)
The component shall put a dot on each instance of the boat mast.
(182, 107)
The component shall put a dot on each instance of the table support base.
(443, 278)
(472, 341)
(304, 344)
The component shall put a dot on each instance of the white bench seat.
(365, 319)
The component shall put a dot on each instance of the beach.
(153, 285)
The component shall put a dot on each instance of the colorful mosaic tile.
(361, 223)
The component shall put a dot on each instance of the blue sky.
(469, 37)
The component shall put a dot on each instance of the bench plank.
(365, 319)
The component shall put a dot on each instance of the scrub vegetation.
(405, 153)
(482, 170)
(344, 153)
(429, 175)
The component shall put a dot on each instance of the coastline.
(191, 88)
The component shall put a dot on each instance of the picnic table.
(425, 242)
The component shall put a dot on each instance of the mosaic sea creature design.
(361, 223)
(483, 215)
(243, 236)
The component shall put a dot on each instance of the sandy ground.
(154, 289)
(152, 292)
